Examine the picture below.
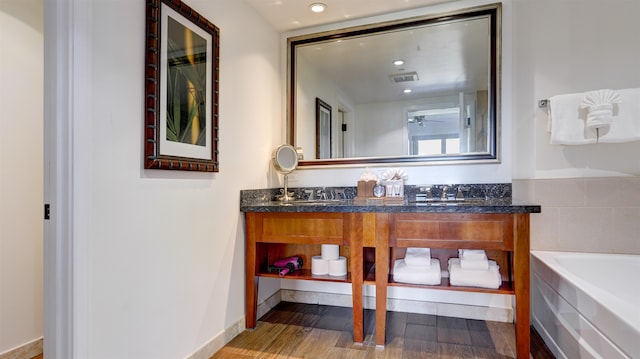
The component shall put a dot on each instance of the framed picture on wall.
(181, 88)
(323, 129)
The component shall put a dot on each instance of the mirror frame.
(493, 11)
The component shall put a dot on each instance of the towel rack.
(543, 103)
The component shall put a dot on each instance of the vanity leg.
(521, 259)
(382, 275)
(354, 240)
(252, 302)
(251, 280)
(358, 311)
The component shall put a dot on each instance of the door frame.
(67, 178)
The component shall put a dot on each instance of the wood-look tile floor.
(294, 330)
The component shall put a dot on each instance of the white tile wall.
(584, 214)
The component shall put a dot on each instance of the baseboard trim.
(220, 340)
(497, 314)
(28, 350)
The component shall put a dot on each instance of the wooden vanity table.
(499, 226)
(274, 235)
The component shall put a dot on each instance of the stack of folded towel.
(472, 268)
(417, 267)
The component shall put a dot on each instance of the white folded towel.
(418, 257)
(474, 259)
(599, 106)
(472, 253)
(567, 122)
(625, 123)
(417, 275)
(474, 264)
(474, 278)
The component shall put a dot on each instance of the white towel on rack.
(567, 121)
(430, 275)
(490, 278)
(418, 257)
(625, 122)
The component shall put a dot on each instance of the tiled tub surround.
(597, 215)
(499, 224)
(584, 305)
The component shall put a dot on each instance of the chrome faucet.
(321, 194)
(310, 193)
(446, 195)
(461, 192)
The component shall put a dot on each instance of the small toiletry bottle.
(378, 190)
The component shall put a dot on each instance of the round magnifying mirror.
(285, 160)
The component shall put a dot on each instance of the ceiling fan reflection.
(421, 120)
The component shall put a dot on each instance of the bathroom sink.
(446, 201)
(311, 202)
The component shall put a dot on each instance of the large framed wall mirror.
(424, 89)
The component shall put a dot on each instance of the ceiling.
(446, 59)
(287, 15)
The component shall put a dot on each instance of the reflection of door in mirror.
(324, 131)
(345, 120)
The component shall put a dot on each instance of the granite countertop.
(495, 199)
(483, 206)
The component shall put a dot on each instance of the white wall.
(168, 247)
(312, 84)
(21, 186)
(567, 46)
(168, 252)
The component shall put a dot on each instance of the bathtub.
(587, 305)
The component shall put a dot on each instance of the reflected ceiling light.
(318, 7)
(398, 62)
(407, 91)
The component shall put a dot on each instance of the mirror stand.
(286, 196)
(285, 160)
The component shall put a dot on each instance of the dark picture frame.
(323, 130)
(181, 88)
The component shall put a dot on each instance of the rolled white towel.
(418, 257)
(474, 278)
(472, 254)
(417, 275)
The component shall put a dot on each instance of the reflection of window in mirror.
(434, 131)
(447, 126)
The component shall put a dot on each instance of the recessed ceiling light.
(407, 91)
(318, 7)
(398, 62)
